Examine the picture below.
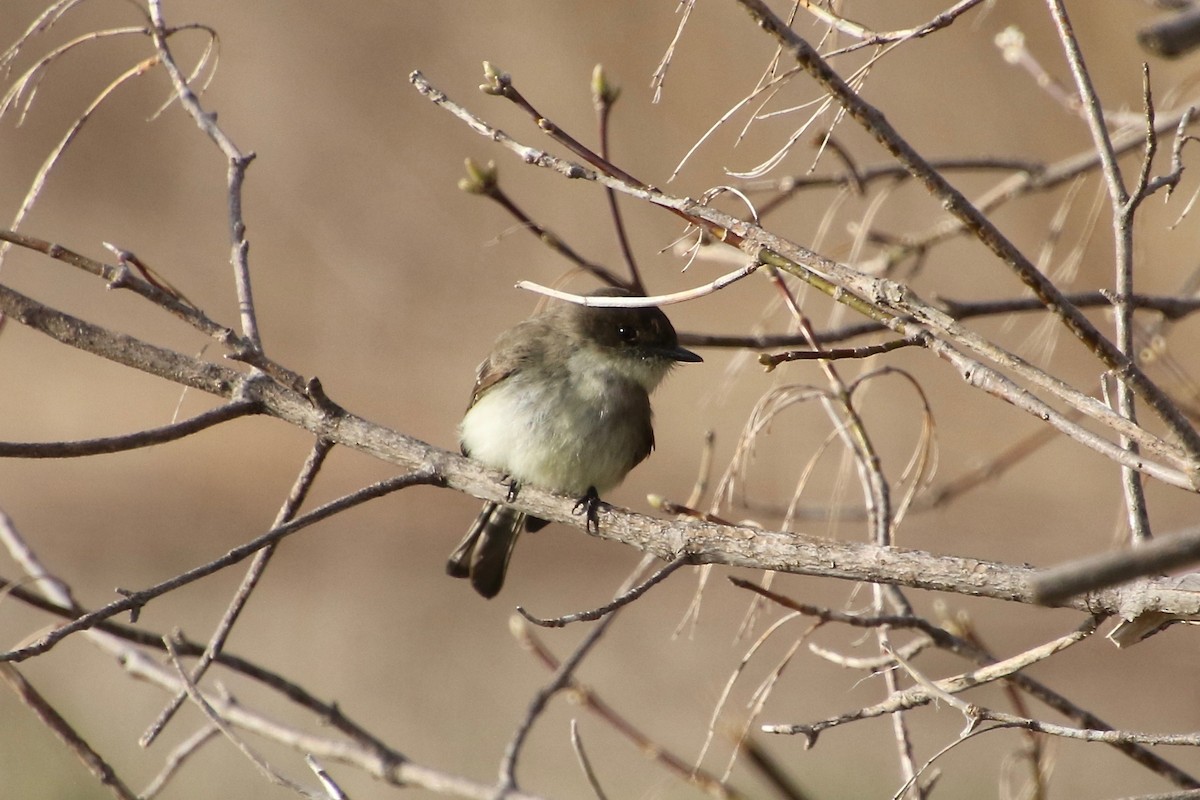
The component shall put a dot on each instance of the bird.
(562, 403)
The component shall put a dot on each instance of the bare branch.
(238, 163)
(919, 695)
(65, 733)
(983, 228)
(131, 441)
(607, 608)
(287, 512)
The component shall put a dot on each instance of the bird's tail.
(483, 553)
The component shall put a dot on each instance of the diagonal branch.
(874, 122)
(890, 304)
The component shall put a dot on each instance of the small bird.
(562, 402)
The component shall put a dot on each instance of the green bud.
(480, 179)
(603, 92)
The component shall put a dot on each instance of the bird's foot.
(513, 488)
(589, 504)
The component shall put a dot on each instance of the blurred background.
(375, 273)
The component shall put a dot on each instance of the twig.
(219, 722)
(604, 97)
(608, 608)
(919, 695)
(130, 441)
(499, 83)
(1124, 205)
(139, 598)
(1083, 734)
(1171, 307)
(287, 512)
(590, 700)
(485, 181)
(94, 762)
(870, 37)
(835, 354)
(790, 257)
(828, 615)
(238, 162)
(121, 278)
(585, 763)
(332, 790)
(563, 677)
(176, 759)
(983, 228)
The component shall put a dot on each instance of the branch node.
(135, 611)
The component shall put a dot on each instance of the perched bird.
(562, 402)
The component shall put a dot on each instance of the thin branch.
(122, 278)
(871, 37)
(137, 599)
(585, 763)
(238, 162)
(1085, 735)
(1171, 307)
(849, 286)
(222, 725)
(608, 608)
(1123, 205)
(332, 790)
(984, 229)
(971, 650)
(564, 675)
(589, 699)
(604, 97)
(130, 441)
(65, 733)
(295, 498)
(185, 750)
(835, 354)
(485, 182)
(919, 695)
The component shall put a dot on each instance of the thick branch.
(703, 542)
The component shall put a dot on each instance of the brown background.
(373, 272)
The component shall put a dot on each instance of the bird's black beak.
(682, 354)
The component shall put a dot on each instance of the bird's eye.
(627, 334)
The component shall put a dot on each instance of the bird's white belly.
(562, 440)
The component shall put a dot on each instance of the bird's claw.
(589, 505)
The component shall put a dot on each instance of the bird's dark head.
(640, 342)
(642, 332)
